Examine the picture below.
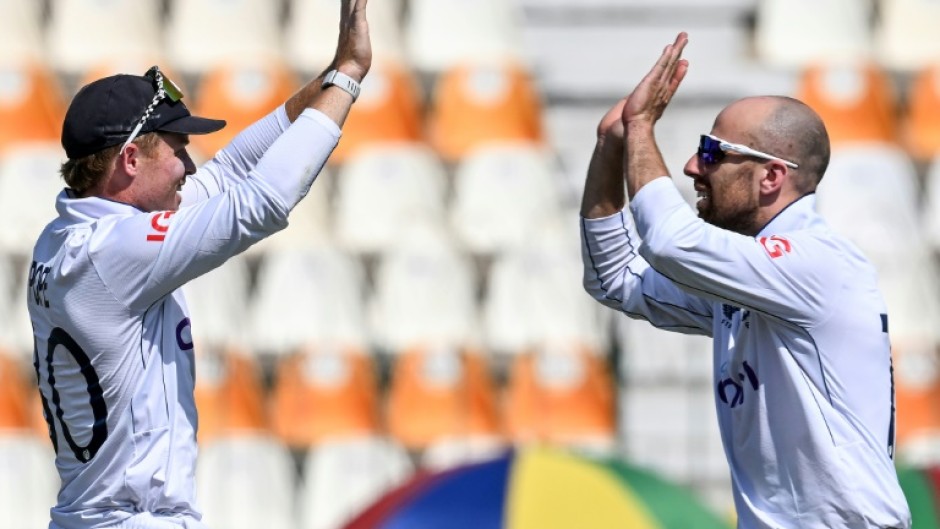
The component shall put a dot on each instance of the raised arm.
(644, 106)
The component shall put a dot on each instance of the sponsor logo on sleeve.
(775, 245)
(160, 223)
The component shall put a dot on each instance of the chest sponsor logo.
(776, 245)
(732, 388)
(160, 223)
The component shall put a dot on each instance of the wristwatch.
(343, 81)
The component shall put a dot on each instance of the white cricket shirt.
(802, 365)
(114, 351)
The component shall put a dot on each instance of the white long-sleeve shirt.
(114, 352)
(802, 365)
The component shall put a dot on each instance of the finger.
(674, 55)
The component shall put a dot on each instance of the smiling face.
(729, 191)
(162, 173)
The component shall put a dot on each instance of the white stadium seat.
(425, 292)
(246, 482)
(202, 34)
(307, 297)
(343, 477)
(30, 483)
(905, 36)
(85, 33)
(440, 34)
(500, 192)
(20, 30)
(217, 303)
(29, 184)
(381, 190)
(797, 33)
(535, 296)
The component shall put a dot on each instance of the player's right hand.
(354, 49)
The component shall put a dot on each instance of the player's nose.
(693, 167)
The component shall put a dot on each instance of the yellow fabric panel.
(552, 490)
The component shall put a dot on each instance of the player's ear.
(774, 176)
(128, 160)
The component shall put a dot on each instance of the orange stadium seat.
(240, 94)
(31, 104)
(324, 395)
(921, 132)
(388, 111)
(564, 397)
(440, 393)
(917, 394)
(475, 104)
(856, 103)
(14, 401)
(229, 395)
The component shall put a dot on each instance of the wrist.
(639, 126)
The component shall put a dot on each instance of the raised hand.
(651, 97)
(354, 49)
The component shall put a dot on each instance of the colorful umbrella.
(922, 488)
(538, 489)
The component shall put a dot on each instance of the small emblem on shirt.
(161, 223)
(775, 245)
(728, 311)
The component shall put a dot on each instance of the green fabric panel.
(673, 506)
(920, 497)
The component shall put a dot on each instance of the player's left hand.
(354, 49)
(651, 97)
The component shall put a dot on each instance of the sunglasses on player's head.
(711, 150)
(166, 89)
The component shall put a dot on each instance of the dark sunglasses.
(712, 150)
(166, 89)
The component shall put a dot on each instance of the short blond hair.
(83, 174)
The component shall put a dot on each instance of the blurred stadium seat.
(648, 353)
(500, 192)
(240, 93)
(343, 477)
(921, 125)
(534, 293)
(561, 394)
(425, 292)
(85, 33)
(21, 31)
(388, 111)
(905, 34)
(441, 393)
(31, 104)
(857, 103)
(322, 394)
(14, 401)
(313, 27)
(799, 33)
(307, 298)
(384, 189)
(229, 396)
(202, 35)
(917, 392)
(440, 34)
(30, 482)
(476, 104)
(218, 304)
(31, 170)
(246, 482)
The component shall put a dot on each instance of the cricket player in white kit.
(802, 366)
(114, 352)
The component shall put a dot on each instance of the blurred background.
(424, 309)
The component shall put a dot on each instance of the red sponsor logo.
(160, 223)
(775, 245)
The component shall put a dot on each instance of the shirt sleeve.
(146, 256)
(783, 275)
(233, 163)
(617, 276)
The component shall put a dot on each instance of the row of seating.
(470, 105)
(557, 395)
(197, 35)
